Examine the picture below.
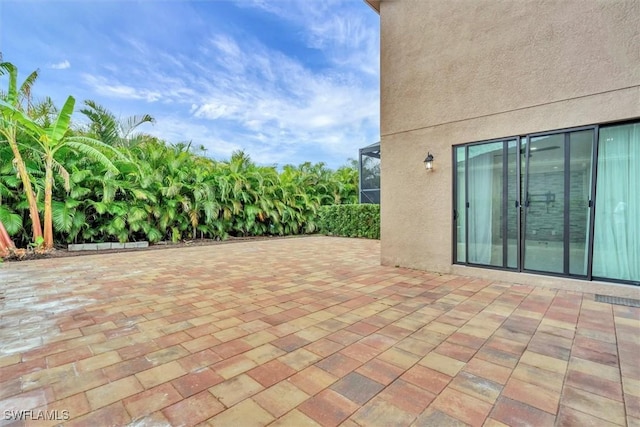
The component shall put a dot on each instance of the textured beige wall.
(462, 71)
(445, 61)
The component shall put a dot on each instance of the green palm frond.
(24, 92)
(100, 207)
(11, 220)
(153, 235)
(80, 145)
(103, 123)
(64, 174)
(131, 123)
(136, 214)
(59, 129)
(63, 214)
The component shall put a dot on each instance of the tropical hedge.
(350, 220)
(62, 182)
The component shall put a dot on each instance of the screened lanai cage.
(370, 174)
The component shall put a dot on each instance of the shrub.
(350, 220)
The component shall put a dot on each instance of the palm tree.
(347, 179)
(13, 100)
(50, 140)
(108, 129)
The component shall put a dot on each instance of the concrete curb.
(106, 246)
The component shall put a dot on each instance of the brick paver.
(304, 331)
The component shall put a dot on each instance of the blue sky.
(288, 81)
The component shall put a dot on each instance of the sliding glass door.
(563, 203)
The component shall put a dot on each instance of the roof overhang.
(374, 4)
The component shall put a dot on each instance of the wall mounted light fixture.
(428, 162)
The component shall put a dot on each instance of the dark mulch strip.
(62, 252)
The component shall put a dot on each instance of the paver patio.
(304, 332)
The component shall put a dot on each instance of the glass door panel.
(544, 204)
(459, 215)
(558, 202)
(580, 179)
(616, 249)
(485, 203)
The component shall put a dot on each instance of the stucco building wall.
(454, 72)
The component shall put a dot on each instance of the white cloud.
(175, 129)
(347, 38)
(63, 65)
(235, 92)
(280, 103)
(246, 95)
(102, 86)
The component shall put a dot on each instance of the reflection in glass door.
(544, 204)
(557, 202)
(486, 201)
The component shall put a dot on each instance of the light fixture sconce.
(428, 162)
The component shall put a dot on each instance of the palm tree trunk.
(26, 185)
(6, 244)
(48, 190)
(4, 236)
(4, 250)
